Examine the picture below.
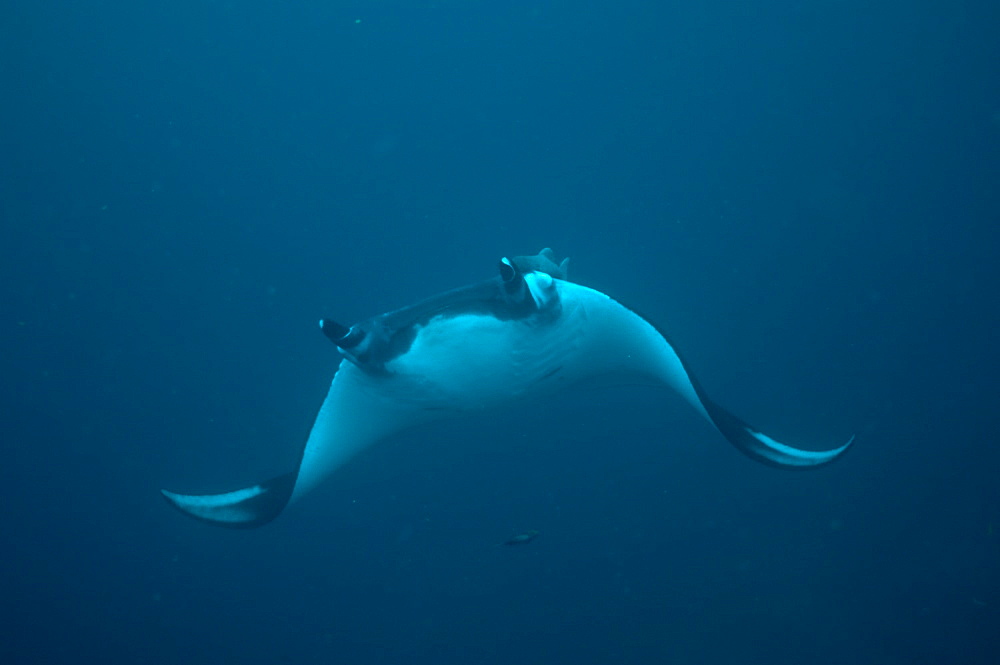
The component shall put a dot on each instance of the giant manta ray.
(526, 332)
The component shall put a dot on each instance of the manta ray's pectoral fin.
(762, 448)
(354, 415)
(244, 508)
(657, 355)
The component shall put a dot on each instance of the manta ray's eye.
(508, 273)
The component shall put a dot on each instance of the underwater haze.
(803, 195)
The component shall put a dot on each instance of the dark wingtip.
(764, 449)
(242, 509)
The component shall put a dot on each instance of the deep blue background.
(804, 194)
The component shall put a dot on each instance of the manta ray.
(525, 333)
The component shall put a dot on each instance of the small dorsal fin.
(544, 261)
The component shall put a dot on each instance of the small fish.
(522, 538)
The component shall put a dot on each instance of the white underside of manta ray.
(525, 333)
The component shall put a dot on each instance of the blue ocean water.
(804, 195)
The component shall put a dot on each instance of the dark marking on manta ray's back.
(525, 333)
